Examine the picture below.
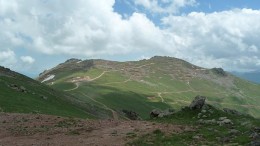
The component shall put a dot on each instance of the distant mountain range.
(250, 76)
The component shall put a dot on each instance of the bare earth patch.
(31, 129)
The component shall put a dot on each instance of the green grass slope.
(240, 131)
(160, 82)
(20, 94)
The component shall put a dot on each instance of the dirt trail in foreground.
(30, 129)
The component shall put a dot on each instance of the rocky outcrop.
(158, 113)
(219, 72)
(18, 88)
(155, 113)
(198, 102)
(255, 137)
(232, 111)
(131, 115)
(221, 121)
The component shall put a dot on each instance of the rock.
(198, 102)
(23, 89)
(254, 135)
(44, 97)
(205, 107)
(257, 129)
(201, 121)
(166, 113)
(219, 71)
(225, 122)
(231, 111)
(255, 143)
(204, 116)
(131, 115)
(234, 132)
(18, 88)
(155, 113)
(196, 137)
(222, 118)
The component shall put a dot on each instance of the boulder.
(131, 115)
(166, 113)
(158, 113)
(155, 113)
(198, 102)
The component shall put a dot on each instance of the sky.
(39, 34)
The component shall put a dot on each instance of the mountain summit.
(159, 82)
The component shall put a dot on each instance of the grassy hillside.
(239, 130)
(20, 94)
(160, 82)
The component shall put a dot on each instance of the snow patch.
(48, 78)
(79, 61)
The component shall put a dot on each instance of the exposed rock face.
(131, 115)
(219, 71)
(198, 102)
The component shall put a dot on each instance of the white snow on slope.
(48, 78)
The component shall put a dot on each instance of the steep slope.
(160, 82)
(20, 94)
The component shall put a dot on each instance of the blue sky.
(39, 34)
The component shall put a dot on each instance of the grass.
(31, 102)
(205, 134)
(111, 90)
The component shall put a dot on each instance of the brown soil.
(31, 129)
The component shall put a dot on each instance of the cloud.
(164, 6)
(228, 38)
(27, 59)
(83, 28)
(7, 58)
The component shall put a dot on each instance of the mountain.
(159, 82)
(250, 76)
(21, 94)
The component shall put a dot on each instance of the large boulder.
(155, 113)
(198, 102)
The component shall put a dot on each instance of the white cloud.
(85, 28)
(228, 38)
(7, 58)
(164, 6)
(27, 59)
